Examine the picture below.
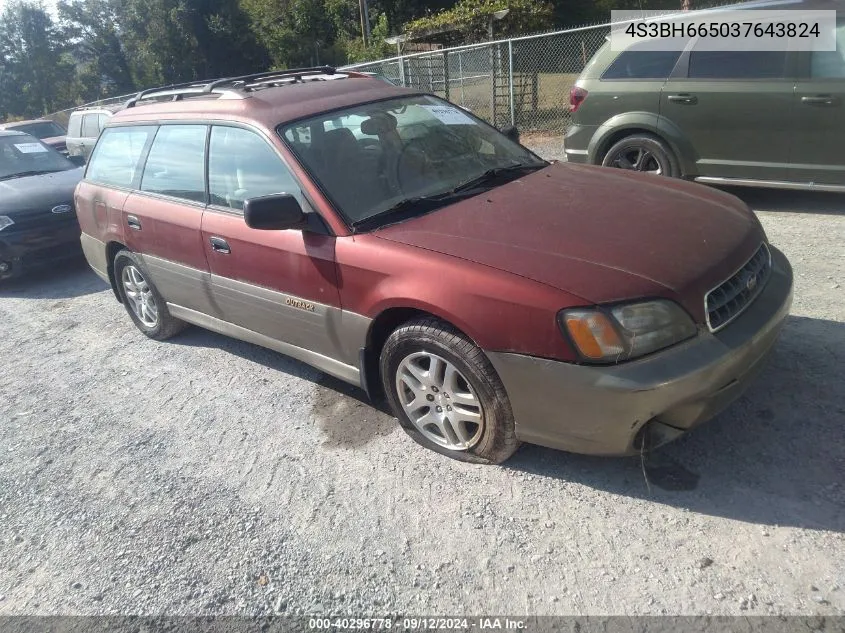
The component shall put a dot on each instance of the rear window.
(176, 164)
(737, 64)
(74, 126)
(830, 64)
(89, 126)
(639, 64)
(116, 160)
(41, 129)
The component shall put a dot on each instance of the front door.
(279, 284)
(162, 220)
(818, 146)
(734, 107)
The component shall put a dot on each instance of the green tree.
(471, 19)
(90, 27)
(33, 68)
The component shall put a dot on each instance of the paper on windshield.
(30, 148)
(450, 115)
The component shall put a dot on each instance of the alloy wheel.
(140, 296)
(439, 401)
(637, 159)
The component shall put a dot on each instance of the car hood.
(602, 234)
(35, 194)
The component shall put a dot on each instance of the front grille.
(730, 299)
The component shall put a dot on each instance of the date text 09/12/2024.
(416, 624)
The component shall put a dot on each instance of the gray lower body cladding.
(602, 410)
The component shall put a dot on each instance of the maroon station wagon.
(397, 242)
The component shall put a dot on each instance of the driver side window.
(242, 165)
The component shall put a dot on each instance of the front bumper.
(612, 410)
(38, 247)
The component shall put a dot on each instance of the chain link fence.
(523, 81)
(61, 117)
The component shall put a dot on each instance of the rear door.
(162, 220)
(818, 147)
(73, 140)
(90, 132)
(113, 173)
(631, 83)
(735, 110)
(280, 284)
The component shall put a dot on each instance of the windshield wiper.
(423, 204)
(24, 174)
(415, 205)
(493, 174)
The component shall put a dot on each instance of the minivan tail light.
(577, 95)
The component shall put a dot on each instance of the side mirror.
(275, 212)
(79, 161)
(511, 132)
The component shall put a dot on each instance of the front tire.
(146, 307)
(446, 394)
(643, 153)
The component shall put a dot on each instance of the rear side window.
(737, 65)
(102, 119)
(639, 64)
(176, 164)
(242, 165)
(830, 64)
(89, 126)
(116, 160)
(74, 126)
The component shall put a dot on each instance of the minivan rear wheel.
(146, 307)
(446, 394)
(644, 153)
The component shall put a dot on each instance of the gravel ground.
(208, 476)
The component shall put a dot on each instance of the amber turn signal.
(594, 334)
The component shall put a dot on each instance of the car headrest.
(378, 124)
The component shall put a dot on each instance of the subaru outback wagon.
(397, 242)
(743, 117)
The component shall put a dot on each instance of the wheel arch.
(382, 326)
(618, 127)
(112, 249)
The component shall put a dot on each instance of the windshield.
(23, 155)
(372, 158)
(41, 129)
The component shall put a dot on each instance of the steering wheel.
(413, 166)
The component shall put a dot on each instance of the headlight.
(626, 331)
(5, 221)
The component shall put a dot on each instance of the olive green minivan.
(756, 118)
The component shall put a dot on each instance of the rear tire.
(643, 153)
(146, 307)
(437, 376)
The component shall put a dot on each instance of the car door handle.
(133, 222)
(683, 99)
(822, 100)
(219, 245)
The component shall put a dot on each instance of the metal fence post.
(402, 71)
(510, 80)
(461, 75)
(446, 73)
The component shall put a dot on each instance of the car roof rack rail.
(242, 82)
